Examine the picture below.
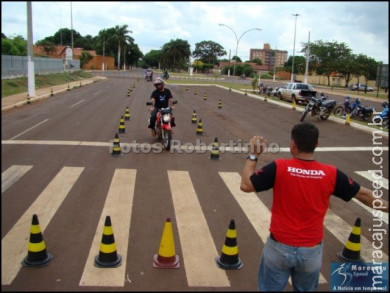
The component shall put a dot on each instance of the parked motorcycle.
(383, 118)
(163, 125)
(345, 108)
(320, 107)
(269, 91)
(362, 111)
(275, 92)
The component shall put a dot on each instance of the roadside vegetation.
(20, 85)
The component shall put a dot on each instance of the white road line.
(385, 184)
(369, 175)
(23, 132)
(77, 103)
(341, 230)
(195, 236)
(14, 249)
(118, 206)
(13, 174)
(186, 147)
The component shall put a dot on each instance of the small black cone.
(215, 150)
(122, 128)
(108, 257)
(220, 104)
(199, 130)
(229, 259)
(116, 148)
(37, 255)
(351, 251)
(194, 119)
(127, 114)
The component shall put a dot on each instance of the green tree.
(135, 54)
(16, 46)
(366, 67)
(208, 51)
(151, 59)
(257, 61)
(85, 57)
(122, 39)
(175, 55)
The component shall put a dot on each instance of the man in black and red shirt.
(302, 188)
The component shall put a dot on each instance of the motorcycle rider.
(161, 97)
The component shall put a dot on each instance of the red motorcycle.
(163, 125)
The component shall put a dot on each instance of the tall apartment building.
(269, 57)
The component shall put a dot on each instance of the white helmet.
(158, 81)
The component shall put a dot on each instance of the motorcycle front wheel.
(304, 115)
(339, 111)
(167, 137)
(325, 114)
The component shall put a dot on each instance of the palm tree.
(123, 39)
(175, 54)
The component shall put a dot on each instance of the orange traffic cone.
(166, 258)
(108, 257)
(37, 255)
(229, 259)
(351, 251)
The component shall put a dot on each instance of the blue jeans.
(279, 261)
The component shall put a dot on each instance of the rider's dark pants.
(153, 118)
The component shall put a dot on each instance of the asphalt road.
(56, 164)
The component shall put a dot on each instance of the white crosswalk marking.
(341, 230)
(13, 174)
(195, 235)
(45, 206)
(378, 182)
(257, 213)
(118, 206)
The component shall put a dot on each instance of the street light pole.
(295, 30)
(238, 40)
(104, 48)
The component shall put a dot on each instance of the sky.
(362, 26)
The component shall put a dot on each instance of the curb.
(44, 96)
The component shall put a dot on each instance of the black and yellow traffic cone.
(28, 99)
(245, 92)
(108, 256)
(195, 92)
(122, 128)
(127, 114)
(80, 84)
(215, 150)
(194, 119)
(199, 130)
(204, 97)
(128, 92)
(166, 257)
(37, 255)
(229, 259)
(68, 87)
(265, 98)
(351, 251)
(51, 92)
(116, 148)
(220, 104)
